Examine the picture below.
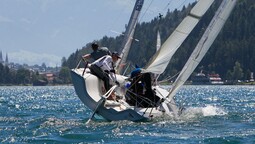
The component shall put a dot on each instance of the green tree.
(229, 75)
(237, 71)
(64, 62)
(23, 76)
(1, 73)
(44, 66)
(64, 75)
(7, 75)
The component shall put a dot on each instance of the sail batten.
(162, 57)
(203, 45)
(194, 16)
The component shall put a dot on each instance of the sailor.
(141, 85)
(103, 68)
(135, 72)
(97, 53)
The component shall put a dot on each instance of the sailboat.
(152, 101)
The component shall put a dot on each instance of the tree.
(229, 75)
(1, 73)
(23, 76)
(44, 66)
(7, 75)
(64, 62)
(237, 71)
(64, 74)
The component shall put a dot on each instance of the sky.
(45, 31)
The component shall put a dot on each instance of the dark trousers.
(147, 99)
(97, 71)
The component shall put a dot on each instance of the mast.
(203, 45)
(128, 36)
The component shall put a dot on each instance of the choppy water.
(214, 114)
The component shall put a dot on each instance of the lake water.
(213, 114)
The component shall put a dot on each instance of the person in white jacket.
(103, 68)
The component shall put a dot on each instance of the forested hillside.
(232, 55)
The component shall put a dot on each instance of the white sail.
(158, 46)
(204, 44)
(158, 41)
(128, 36)
(162, 57)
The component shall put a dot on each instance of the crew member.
(103, 68)
(97, 53)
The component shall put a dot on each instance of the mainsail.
(204, 44)
(162, 57)
(128, 36)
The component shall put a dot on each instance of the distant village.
(49, 73)
(40, 68)
(43, 75)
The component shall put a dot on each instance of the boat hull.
(97, 104)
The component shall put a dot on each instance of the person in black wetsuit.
(141, 93)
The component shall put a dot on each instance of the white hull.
(89, 89)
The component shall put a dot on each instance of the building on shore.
(207, 79)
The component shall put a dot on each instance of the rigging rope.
(182, 4)
(145, 11)
(178, 7)
(115, 21)
(167, 5)
(169, 78)
(143, 98)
